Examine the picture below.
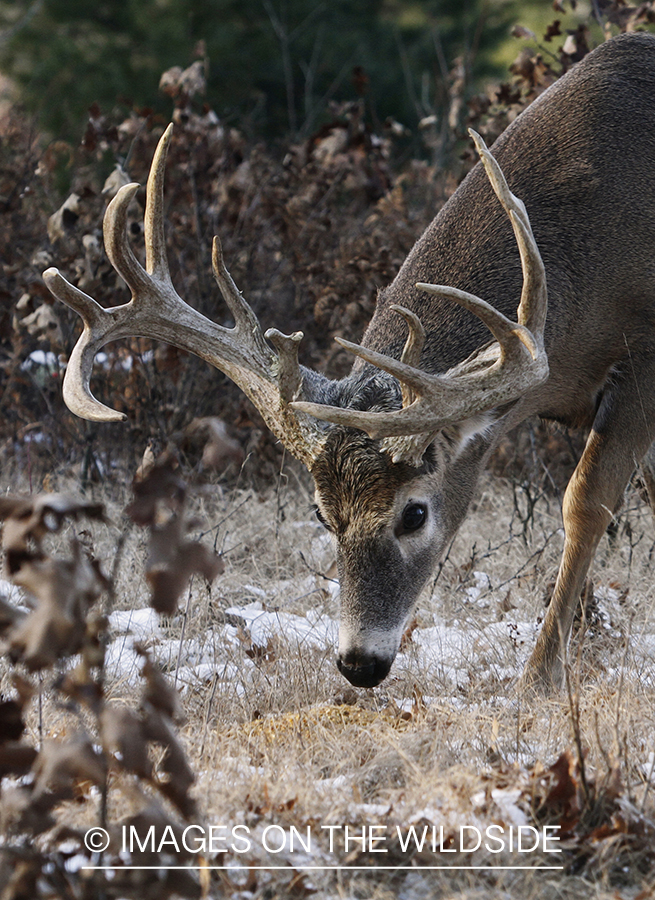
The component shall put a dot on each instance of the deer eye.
(414, 516)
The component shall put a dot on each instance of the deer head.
(393, 449)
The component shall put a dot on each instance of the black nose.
(363, 669)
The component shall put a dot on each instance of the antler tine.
(498, 181)
(534, 298)
(413, 381)
(103, 325)
(246, 322)
(503, 329)
(494, 376)
(533, 308)
(117, 246)
(409, 419)
(413, 348)
(531, 312)
(98, 323)
(416, 337)
(153, 219)
(288, 368)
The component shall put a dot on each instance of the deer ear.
(465, 431)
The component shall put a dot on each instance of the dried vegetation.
(276, 739)
(272, 740)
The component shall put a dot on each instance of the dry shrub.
(278, 739)
(272, 731)
(310, 238)
(311, 232)
(107, 748)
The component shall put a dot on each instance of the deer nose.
(363, 669)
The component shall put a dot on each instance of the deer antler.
(490, 378)
(271, 380)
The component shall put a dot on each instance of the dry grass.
(277, 737)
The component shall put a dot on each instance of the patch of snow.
(648, 767)
(11, 594)
(333, 784)
(505, 799)
(368, 811)
(320, 633)
(190, 676)
(482, 587)
(40, 358)
(142, 623)
(73, 863)
(257, 591)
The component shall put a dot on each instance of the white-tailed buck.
(430, 394)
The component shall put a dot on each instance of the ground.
(286, 754)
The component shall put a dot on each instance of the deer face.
(389, 478)
(390, 530)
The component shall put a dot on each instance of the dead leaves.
(185, 83)
(128, 743)
(58, 770)
(172, 560)
(62, 764)
(60, 590)
(137, 747)
(598, 820)
(31, 518)
(64, 590)
(16, 757)
(160, 498)
(537, 67)
(219, 450)
(127, 734)
(61, 222)
(123, 736)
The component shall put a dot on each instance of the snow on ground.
(450, 653)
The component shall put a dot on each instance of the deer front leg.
(621, 435)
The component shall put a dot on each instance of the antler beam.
(156, 311)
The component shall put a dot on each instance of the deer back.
(582, 158)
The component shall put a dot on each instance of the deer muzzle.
(365, 670)
(366, 654)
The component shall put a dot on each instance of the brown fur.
(582, 159)
(356, 483)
